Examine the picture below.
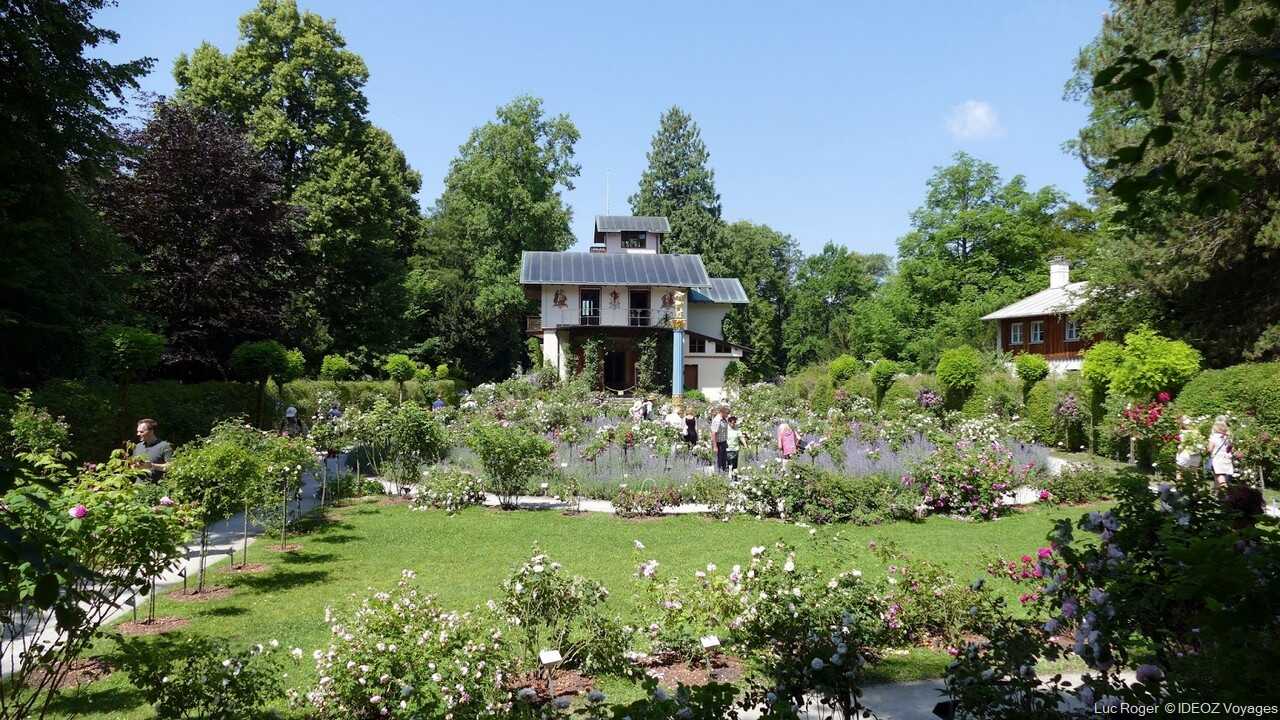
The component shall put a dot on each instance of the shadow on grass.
(338, 538)
(282, 580)
(307, 558)
(110, 700)
(225, 611)
(314, 522)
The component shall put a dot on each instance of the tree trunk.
(245, 561)
(284, 521)
(204, 544)
(262, 391)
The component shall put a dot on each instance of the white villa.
(622, 289)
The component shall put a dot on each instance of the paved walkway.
(225, 539)
(913, 700)
(1021, 496)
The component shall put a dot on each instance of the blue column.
(677, 363)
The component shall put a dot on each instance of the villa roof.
(616, 223)
(578, 268)
(1052, 301)
(722, 290)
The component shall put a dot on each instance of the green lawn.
(464, 558)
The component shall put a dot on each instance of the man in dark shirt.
(151, 452)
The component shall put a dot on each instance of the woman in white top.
(1220, 452)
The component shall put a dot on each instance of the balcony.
(533, 323)
(639, 317)
(590, 317)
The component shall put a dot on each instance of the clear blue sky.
(823, 119)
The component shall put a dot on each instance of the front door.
(690, 377)
(615, 370)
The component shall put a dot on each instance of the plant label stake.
(549, 659)
(710, 643)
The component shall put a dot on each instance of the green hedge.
(1043, 400)
(186, 411)
(997, 392)
(1251, 389)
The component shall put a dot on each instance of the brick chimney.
(1059, 272)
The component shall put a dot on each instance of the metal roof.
(722, 290)
(579, 268)
(1053, 301)
(615, 223)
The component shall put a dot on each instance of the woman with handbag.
(1220, 450)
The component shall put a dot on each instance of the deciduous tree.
(299, 92)
(216, 255)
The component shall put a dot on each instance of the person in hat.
(292, 425)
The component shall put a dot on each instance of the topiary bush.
(1099, 363)
(257, 362)
(336, 367)
(995, 394)
(958, 372)
(1152, 364)
(842, 369)
(1031, 369)
(1047, 406)
(883, 373)
(401, 369)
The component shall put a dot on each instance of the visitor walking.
(733, 444)
(720, 436)
(690, 428)
(151, 453)
(646, 410)
(1220, 452)
(438, 404)
(292, 425)
(673, 419)
(787, 441)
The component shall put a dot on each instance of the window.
(634, 239)
(640, 308)
(1072, 332)
(723, 348)
(697, 345)
(1037, 332)
(1015, 333)
(590, 302)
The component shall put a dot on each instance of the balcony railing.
(591, 317)
(639, 317)
(533, 323)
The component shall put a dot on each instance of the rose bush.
(401, 655)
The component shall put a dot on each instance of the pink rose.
(166, 501)
(78, 511)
